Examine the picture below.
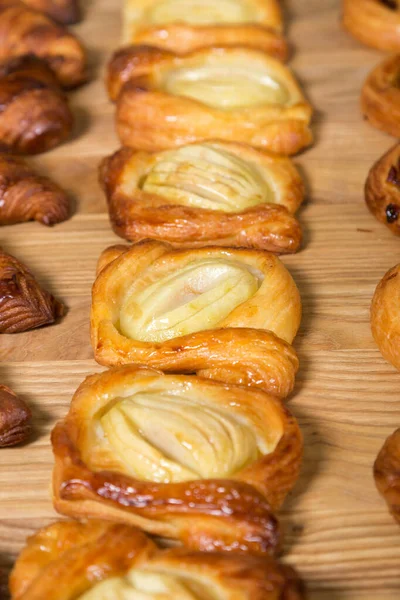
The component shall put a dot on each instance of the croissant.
(385, 316)
(26, 31)
(215, 193)
(183, 28)
(231, 94)
(387, 473)
(180, 456)
(93, 560)
(23, 304)
(26, 196)
(375, 23)
(382, 189)
(380, 96)
(66, 12)
(198, 311)
(15, 418)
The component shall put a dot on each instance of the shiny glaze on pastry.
(387, 473)
(385, 310)
(231, 94)
(227, 314)
(382, 190)
(375, 23)
(210, 193)
(15, 418)
(180, 456)
(380, 96)
(66, 12)
(96, 560)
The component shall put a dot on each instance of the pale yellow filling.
(200, 12)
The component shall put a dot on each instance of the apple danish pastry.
(226, 314)
(231, 94)
(187, 26)
(99, 560)
(375, 23)
(201, 194)
(380, 96)
(387, 473)
(180, 456)
(385, 316)
(382, 190)
(66, 12)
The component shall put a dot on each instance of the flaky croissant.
(93, 560)
(210, 193)
(227, 314)
(382, 190)
(27, 196)
(26, 31)
(66, 12)
(380, 96)
(180, 456)
(231, 94)
(198, 24)
(23, 303)
(387, 473)
(385, 311)
(375, 23)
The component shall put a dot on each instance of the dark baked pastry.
(382, 189)
(15, 418)
(66, 12)
(380, 96)
(385, 310)
(387, 473)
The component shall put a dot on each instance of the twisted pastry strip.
(387, 473)
(98, 559)
(375, 23)
(23, 304)
(216, 193)
(66, 12)
(385, 316)
(382, 189)
(180, 456)
(380, 96)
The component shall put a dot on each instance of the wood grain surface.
(338, 532)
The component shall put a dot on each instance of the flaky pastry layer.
(375, 23)
(382, 189)
(387, 473)
(385, 316)
(380, 96)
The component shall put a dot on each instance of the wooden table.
(338, 531)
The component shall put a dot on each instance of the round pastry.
(98, 560)
(375, 23)
(385, 310)
(185, 27)
(382, 189)
(180, 456)
(231, 94)
(202, 194)
(227, 314)
(380, 96)
(387, 473)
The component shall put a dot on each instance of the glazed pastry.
(226, 314)
(385, 316)
(231, 94)
(26, 31)
(375, 23)
(15, 418)
(180, 456)
(210, 193)
(185, 27)
(382, 190)
(380, 96)
(387, 473)
(97, 560)
(66, 12)
(26, 196)
(23, 304)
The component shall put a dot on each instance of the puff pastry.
(15, 418)
(387, 473)
(226, 314)
(180, 456)
(187, 26)
(380, 96)
(375, 23)
(66, 12)
(231, 94)
(382, 190)
(101, 560)
(23, 303)
(385, 316)
(210, 193)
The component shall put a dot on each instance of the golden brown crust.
(23, 304)
(387, 473)
(15, 418)
(380, 96)
(375, 23)
(70, 553)
(385, 316)
(249, 220)
(26, 31)
(153, 114)
(382, 190)
(66, 12)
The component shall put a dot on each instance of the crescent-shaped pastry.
(231, 94)
(375, 23)
(184, 27)
(382, 189)
(385, 311)
(380, 96)
(202, 194)
(66, 12)
(180, 456)
(226, 314)
(98, 560)
(27, 31)
(15, 418)
(387, 473)
(23, 303)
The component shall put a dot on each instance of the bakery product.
(180, 456)
(15, 418)
(102, 560)
(375, 23)
(380, 96)
(231, 94)
(385, 316)
(382, 189)
(387, 473)
(201, 194)
(229, 314)
(66, 12)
